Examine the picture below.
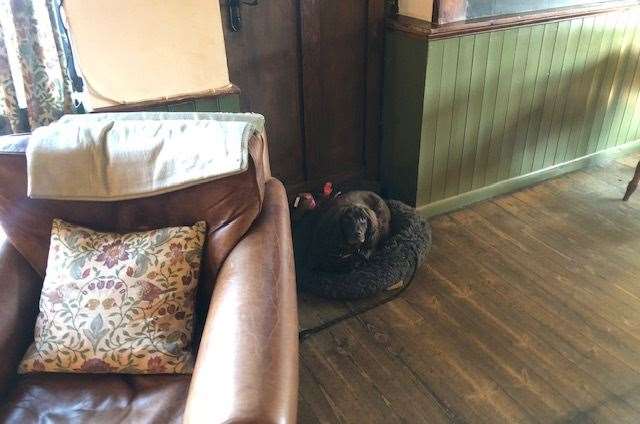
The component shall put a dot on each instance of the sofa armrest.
(20, 288)
(247, 365)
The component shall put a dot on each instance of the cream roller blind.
(131, 51)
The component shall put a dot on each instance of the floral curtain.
(30, 32)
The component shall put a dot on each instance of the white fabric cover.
(118, 156)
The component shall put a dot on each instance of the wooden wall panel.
(314, 69)
(431, 105)
(532, 150)
(334, 47)
(341, 60)
(460, 102)
(264, 62)
(622, 87)
(570, 73)
(470, 150)
(447, 116)
(616, 27)
(507, 103)
(488, 89)
(526, 107)
(399, 161)
(490, 168)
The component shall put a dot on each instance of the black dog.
(346, 231)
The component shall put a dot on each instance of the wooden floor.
(528, 310)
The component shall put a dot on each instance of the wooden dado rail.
(475, 114)
(460, 26)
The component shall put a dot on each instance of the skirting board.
(517, 183)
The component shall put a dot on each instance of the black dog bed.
(395, 260)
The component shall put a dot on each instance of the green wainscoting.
(466, 115)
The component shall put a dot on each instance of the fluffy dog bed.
(395, 260)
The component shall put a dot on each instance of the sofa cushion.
(105, 399)
(228, 205)
(117, 303)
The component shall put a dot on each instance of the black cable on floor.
(308, 332)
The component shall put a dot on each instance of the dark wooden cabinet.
(313, 68)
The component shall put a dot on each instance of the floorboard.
(526, 311)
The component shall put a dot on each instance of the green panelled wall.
(489, 107)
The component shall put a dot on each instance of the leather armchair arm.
(247, 365)
(20, 288)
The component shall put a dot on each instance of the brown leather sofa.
(247, 359)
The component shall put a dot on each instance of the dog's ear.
(347, 221)
(372, 219)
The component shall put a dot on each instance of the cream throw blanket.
(118, 156)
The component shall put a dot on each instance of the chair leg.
(633, 184)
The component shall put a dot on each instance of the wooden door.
(341, 76)
(313, 68)
(264, 61)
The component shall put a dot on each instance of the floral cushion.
(117, 303)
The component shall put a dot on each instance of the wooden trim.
(410, 26)
(131, 107)
(445, 11)
(517, 183)
(432, 31)
(449, 11)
